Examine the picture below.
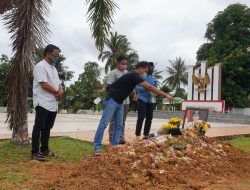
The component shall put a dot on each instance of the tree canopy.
(228, 36)
(82, 93)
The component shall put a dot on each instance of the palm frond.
(108, 65)
(117, 45)
(100, 16)
(26, 21)
(177, 74)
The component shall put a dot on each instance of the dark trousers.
(112, 125)
(44, 122)
(145, 110)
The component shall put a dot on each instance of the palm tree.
(25, 19)
(117, 45)
(28, 26)
(177, 74)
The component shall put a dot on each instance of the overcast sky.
(159, 30)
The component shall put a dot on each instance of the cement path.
(84, 127)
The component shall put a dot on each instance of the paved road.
(84, 127)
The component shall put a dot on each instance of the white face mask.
(144, 75)
(123, 67)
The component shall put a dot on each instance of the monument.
(204, 88)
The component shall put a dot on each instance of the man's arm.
(49, 88)
(156, 91)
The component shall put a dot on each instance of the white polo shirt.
(45, 72)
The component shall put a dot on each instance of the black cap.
(142, 64)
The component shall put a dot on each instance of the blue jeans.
(111, 110)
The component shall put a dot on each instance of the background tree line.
(228, 36)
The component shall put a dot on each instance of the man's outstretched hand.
(170, 98)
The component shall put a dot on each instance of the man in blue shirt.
(145, 103)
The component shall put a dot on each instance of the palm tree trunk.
(20, 135)
(26, 21)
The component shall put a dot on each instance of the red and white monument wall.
(211, 98)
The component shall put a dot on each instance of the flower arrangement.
(174, 122)
(171, 127)
(200, 127)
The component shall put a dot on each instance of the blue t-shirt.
(145, 95)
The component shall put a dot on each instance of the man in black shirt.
(113, 107)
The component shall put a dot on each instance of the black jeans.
(145, 110)
(44, 122)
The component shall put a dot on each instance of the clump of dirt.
(184, 162)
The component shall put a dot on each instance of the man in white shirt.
(47, 91)
(121, 69)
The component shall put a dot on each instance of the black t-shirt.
(120, 89)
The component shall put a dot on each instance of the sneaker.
(145, 137)
(38, 156)
(97, 152)
(49, 153)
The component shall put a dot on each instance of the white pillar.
(196, 92)
(209, 86)
(190, 82)
(217, 82)
(203, 73)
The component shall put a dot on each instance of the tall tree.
(87, 84)
(177, 74)
(117, 45)
(26, 21)
(228, 36)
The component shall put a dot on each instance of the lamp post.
(65, 87)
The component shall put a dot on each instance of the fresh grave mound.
(184, 162)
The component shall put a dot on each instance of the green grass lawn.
(242, 143)
(68, 150)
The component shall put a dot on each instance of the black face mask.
(53, 59)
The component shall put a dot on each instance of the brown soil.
(185, 162)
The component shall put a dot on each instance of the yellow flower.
(168, 126)
(175, 121)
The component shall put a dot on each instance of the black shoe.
(38, 156)
(122, 142)
(49, 153)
